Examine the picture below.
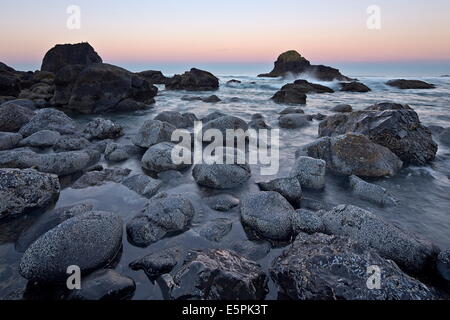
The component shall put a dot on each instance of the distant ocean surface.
(354, 69)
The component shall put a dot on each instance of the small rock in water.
(153, 132)
(310, 172)
(354, 87)
(292, 110)
(49, 119)
(213, 116)
(164, 215)
(410, 84)
(143, 185)
(294, 121)
(103, 285)
(222, 202)
(259, 124)
(289, 188)
(158, 263)
(219, 275)
(371, 192)
(158, 158)
(101, 129)
(41, 139)
(90, 241)
(226, 123)
(307, 222)
(22, 191)
(120, 152)
(98, 178)
(253, 250)
(71, 143)
(342, 108)
(212, 99)
(13, 117)
(443, 265)
(268, 214)
(323, 267)
(177, 119)
(216, 230)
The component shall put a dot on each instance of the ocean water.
(423, 192)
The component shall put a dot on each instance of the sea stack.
(292, 62)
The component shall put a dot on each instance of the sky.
(253, 32)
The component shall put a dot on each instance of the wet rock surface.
(9, 140)
(98, 178)
(371, 192)
(49, 119)
(143, 185)
(289, 188)
(410, 84)
(311, 267)
(89, 241)
(219, 275)
(309, 172)
(193, 80)
(158, 158)
(216, 230)
(22, 191)
(158, 263)
(222, 202)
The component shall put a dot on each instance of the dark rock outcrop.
(219, 275)
(354, 86)
(154, 77)
(291, 62)
(98, 178)
(322, 267)
(69, 54)
(394, 126)
(101, 88)
(410, 84)
(22, 191)
(295, 93)
(193, 80)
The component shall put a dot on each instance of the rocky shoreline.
(326, 249)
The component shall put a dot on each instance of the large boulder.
(268, 214)
(394, 126)
(153, 132)
(69, 54)
(193, 80)
(219, 275)
(163, 216)
(101, 88)
(410, 84)
(158, 158)
(49, 119)
(323, 267)
(353, 154)
(22, 191)
(89, 241)
(409, 251)
(291, 62)
(13, 117)
(61, 164)
(222, 175)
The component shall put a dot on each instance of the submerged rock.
(444, 137)
(219, 275)
(309, 172)
(371, 192)
(177, 119)
(216, 230)
(49, 119)
(252, 250)
(98, 178)
(143, 185)
(294, 121)
(13, 117)
(89, 241)
(163, 216)
(411, 253)
(120, 152)
(342, 108)
(410, 84)
(443, 265)
(307, 222)
(353, 154)
(193, 80)
(213, 116)
(222, 202)
(226, 123)
(268, 214)
(158, 158)
(104, 285)
(9, 140)
(158, 263)
(102, 129)
(69, 54)
(354, 86)
(289, 188)
(323, 267)
(153, 132)
(394, 126)
(292, 110)
(22, 191)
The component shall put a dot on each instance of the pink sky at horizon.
(259, 31)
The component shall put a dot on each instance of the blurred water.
(423, 192)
